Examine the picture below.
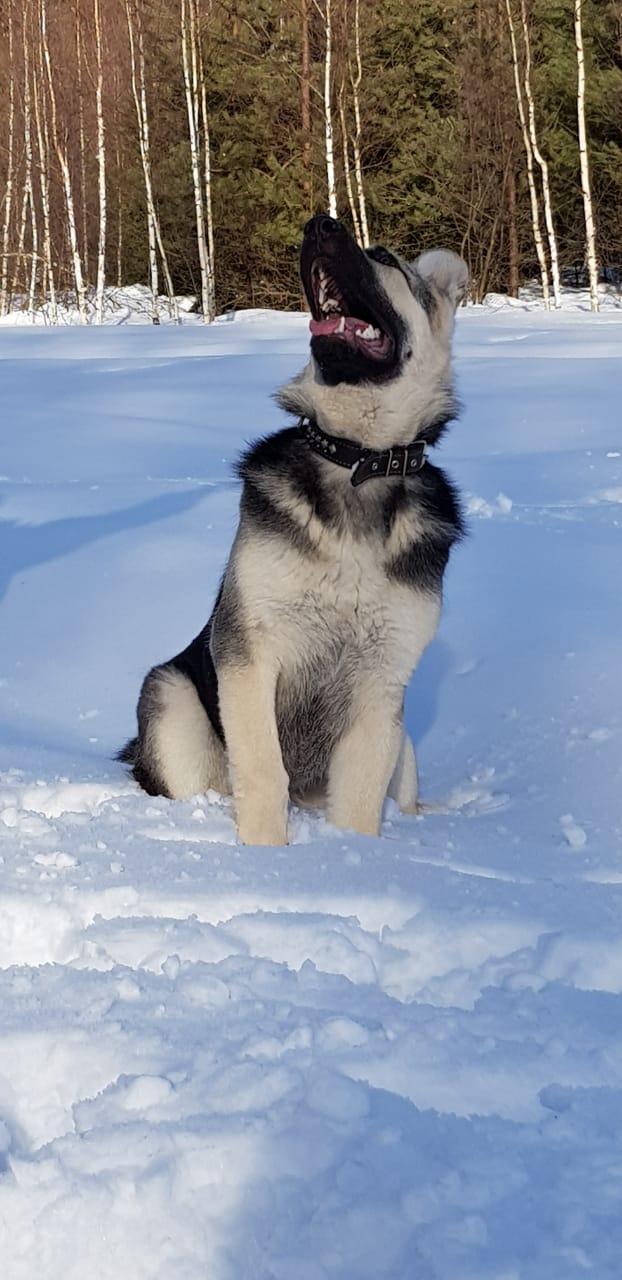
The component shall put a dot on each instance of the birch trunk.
(356, 81)
(119, 180)
(43, 147)
(305, 103)
(10, 177)
(590, 233)
(540, 160)
(28, 187)
(101, 169)
(533, 195)
(34, 255)
(27, 201)
(207, 175)
(190, 66)
(139, 90)
(326, 15)
(346, 167)
(61, 155)
(82, 141)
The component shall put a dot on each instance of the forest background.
(183, 143)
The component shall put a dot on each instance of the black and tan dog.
(295, 686)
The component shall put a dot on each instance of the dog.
(295, 686)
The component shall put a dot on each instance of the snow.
(397, 1059)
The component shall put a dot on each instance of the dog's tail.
(129, 753)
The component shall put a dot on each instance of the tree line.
(183, 143)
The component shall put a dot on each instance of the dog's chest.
(339, 600)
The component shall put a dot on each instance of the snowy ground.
(351, 1059)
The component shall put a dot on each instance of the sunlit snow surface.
(351, 1059)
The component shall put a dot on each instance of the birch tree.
(329, 144)
(190, 61)
(29, 196)
(356, 79)
(60, 148)
(352, 76)
(28, 204)
(533, 194)
(207, 184)
(590, 232)
(43, 148)
(118, 178)
(82, 137)
(347, 174)
(305, 102)
(139, 92)
(101, 167)
(540, 160)
(10, 176)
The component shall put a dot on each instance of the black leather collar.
(365, 464)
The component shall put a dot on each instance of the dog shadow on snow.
(24, 546)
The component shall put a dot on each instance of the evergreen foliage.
(441, 150)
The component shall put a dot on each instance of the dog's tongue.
(356, 333)
(346, 325)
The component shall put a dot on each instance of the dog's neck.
(374, 417)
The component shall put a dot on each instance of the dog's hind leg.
(177, 752)
(403, 786)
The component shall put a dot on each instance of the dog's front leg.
(260, 784)
(363, 764)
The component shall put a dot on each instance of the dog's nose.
(322, 227)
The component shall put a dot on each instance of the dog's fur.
(332, 592)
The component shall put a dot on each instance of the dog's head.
(380, 338)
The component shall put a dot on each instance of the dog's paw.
(260, 824)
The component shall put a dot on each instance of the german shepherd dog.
(295, 686)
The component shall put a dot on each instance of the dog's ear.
(447, 271)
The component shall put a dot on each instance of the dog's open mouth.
(332, 316)
(356, 333)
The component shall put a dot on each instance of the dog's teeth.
(370, 333)
(341, 327)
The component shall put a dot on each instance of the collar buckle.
(364, 464)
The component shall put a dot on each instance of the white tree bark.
(331, 182)
(544, 168)
(28, 186)
(590, 231)
(356, 81)
(101, 168)
(118, 179)
(10, 177)
(191, 84)
(61, 155)
(207, 172)
(82, 140)
(347, 174)
(139, 91)
(27, 194)
(533, 195)
(43, 147)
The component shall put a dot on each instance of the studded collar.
(364, 464)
